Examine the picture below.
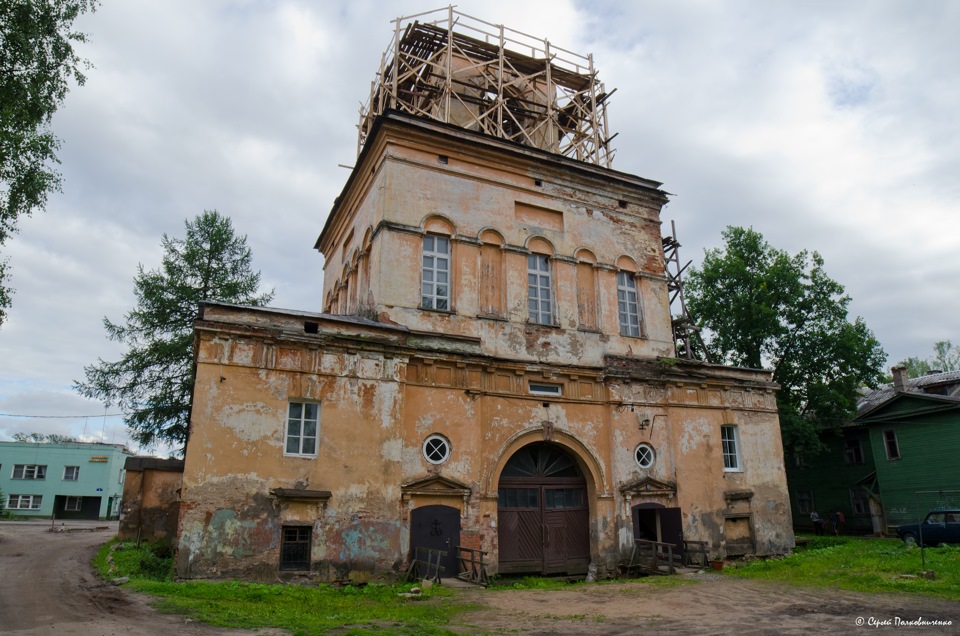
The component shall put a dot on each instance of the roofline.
(453, 131)
(944, 400)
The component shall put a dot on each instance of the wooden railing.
(648, 556)
(695, 554)
(426, 565)
(472, 566)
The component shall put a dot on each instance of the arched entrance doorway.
(543, 513)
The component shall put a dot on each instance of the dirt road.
(713, 604)
(47, 586)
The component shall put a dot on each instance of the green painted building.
(891, 464)
(73, 480)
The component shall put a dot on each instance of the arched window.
(435, 271)
(628, 299)
(540, 303)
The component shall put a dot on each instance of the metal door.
(437, 528)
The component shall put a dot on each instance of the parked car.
(940, 526)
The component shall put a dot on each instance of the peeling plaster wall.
(379, 402)
(387, 374)
(229, 522)
(404, 189)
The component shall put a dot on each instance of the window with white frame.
(115, 509)
(24, 502)
(644, 455)
(29, 471)
(628, 305)
(730, 439)
(435, 275)
(73, 504)
(436, 449)
(302, 427)
(539, 289)
(71, 473)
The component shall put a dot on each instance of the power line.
(62, 417)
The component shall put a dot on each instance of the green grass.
(303, 610)
(865, 565)
(862, 564)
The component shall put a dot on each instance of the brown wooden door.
(543, 513)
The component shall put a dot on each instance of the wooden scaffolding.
(460, 70)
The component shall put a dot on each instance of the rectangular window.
(73, 504)
(71, 473)
(115, 510)
(799, 460)
(539, 388)
(435, 276)
(24, 502)
(804, 502)
(295, 548)
(859, 503)
(890, 443)
(628, 304)
(730, 439)
(539, 289)
(29, 471)
(852, 452)
(302, 425)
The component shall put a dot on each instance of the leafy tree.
(40, 438)
(946, 357)
(37, 62)
(153, 381)
(762, 307)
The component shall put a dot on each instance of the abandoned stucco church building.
(494, 363)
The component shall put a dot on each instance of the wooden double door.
(543, 513)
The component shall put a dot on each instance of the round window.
(436, 449)
(645, 455)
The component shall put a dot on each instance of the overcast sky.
(828, 126)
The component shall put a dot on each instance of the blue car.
(940, 526)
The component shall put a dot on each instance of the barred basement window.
(295, 547)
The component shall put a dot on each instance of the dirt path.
(713, 604)
(47, 586)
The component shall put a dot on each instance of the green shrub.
(150, 562)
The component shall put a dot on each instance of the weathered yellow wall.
(385, 384)
(380, 400)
